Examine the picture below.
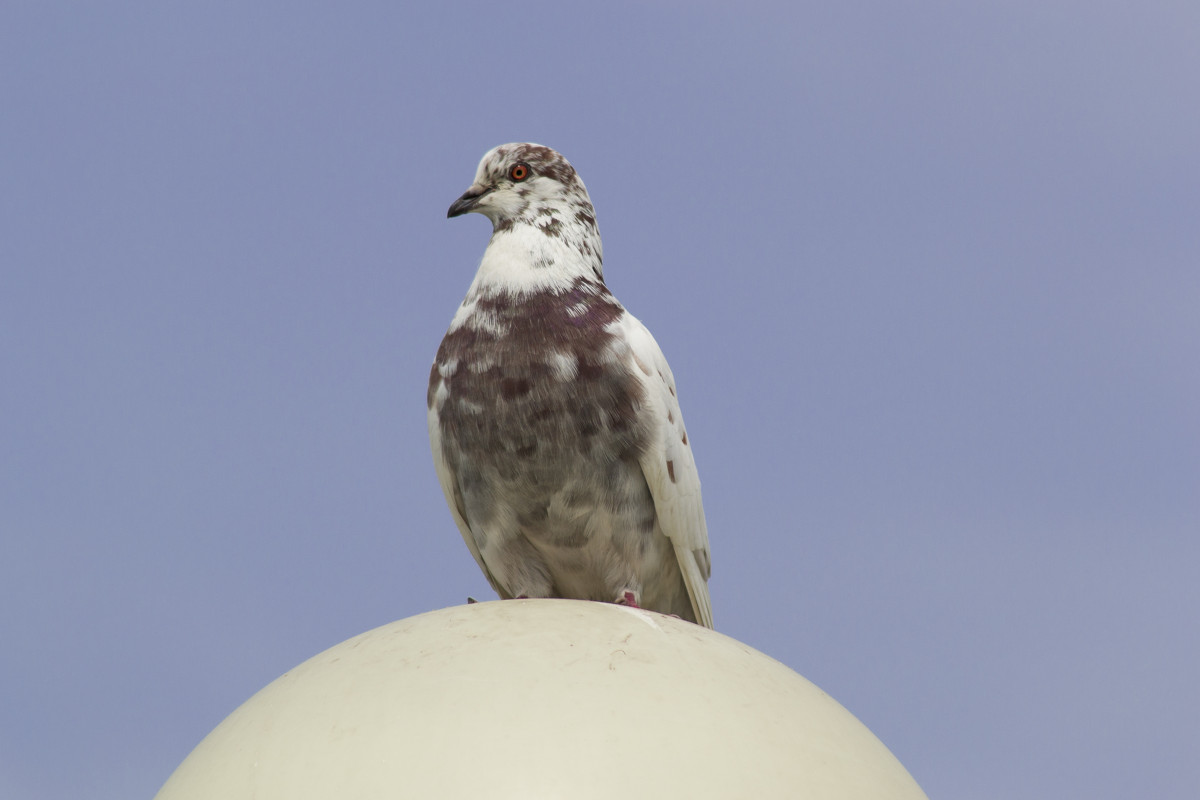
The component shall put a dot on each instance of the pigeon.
(553, 417)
